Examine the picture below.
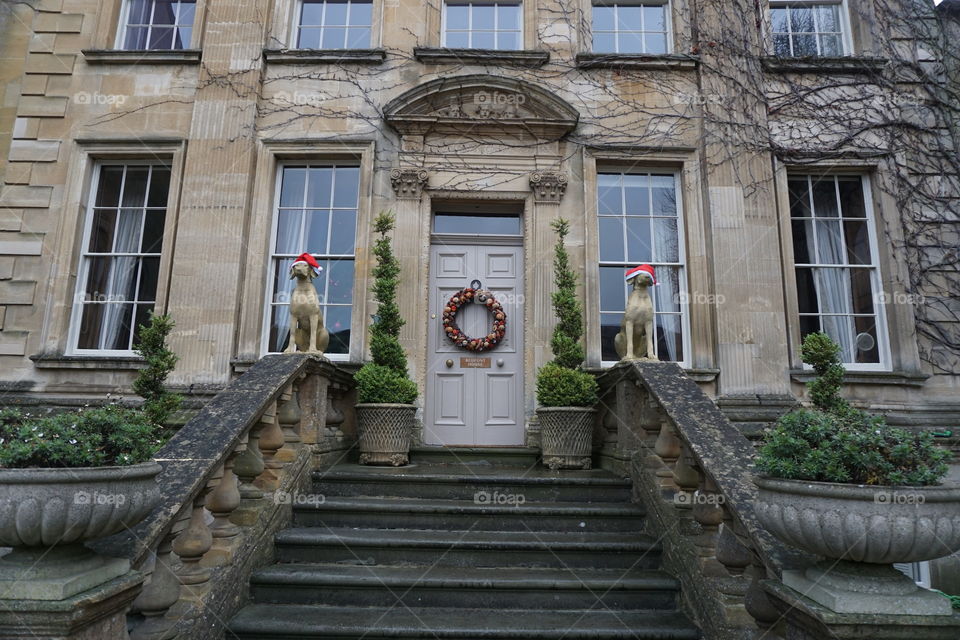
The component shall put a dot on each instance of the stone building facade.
(176, 156)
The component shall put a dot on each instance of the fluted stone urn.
(566, 436)
(862, 530)
(47, 514)
(384, 431)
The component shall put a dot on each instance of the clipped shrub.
(835, 442)
(159, 404)
(385, 379)
(562, 387)
(99, 437)
(376, 383)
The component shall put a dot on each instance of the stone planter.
(384, 433)
(47, 514)
(864, 530)
(566, 436)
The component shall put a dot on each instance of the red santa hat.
(310, 260)
(635, 271)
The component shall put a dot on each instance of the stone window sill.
(58, 361)
(438, 55)
(324, 56)
(843, 64)
(669, 62)
(147, 56)
(899, 378)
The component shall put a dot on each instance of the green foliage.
(376, 383)
(386, 379)
(104, 436)
(823, 354)
(835, 442)
(159, 404)
(562, 387)
(565, 343)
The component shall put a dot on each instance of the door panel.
(475, 398)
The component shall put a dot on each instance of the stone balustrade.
(228, 482)
(692, 469)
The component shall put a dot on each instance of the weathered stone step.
(453, 483)
(490, 512)
(468, 548)
(498, 588)
(274, 622)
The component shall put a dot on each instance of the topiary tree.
(159, 404)
(823, 354)
(385, 379)
(565, 344)
(561, 383)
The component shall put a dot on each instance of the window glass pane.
(318, 224)
(778, 20)
(343, 232)
(185, 12)
(181, 38)
(98, 280)
(804, 45)
(833, 286)
(803, 241)
(291, 188)
(279, 328)
(138, 11)
(609, 328)
(336, 14)
(639, 245)
(825, 198)
(149, 276)
(458, 39)
(655, 18)
(164, 12)
(781, 46)
(655, 43)
(830, 45)
(319, 183)
(629, 18)
(127, 239)
(108, 191)
(806, 291)
(152, 232)
(808, 325)
(141, 319)
(483, 16)
(828, 17)
(477, 225)
(851, 198)
(159, 187)
(309, 39)
(840, 329)
(483, 40)
(135, 187)
(333, 38)
(611, 239)
(799, 198)
(101, 230)
(862, 291)
(667, 292)
(613, 289)
(282, 284)
(340, 282)
(337, 321)
(858, 241)
(358, 38)
(801, 20)
(867, 345)
(311, 13)
(458, 16)
(361, 14)
(669, 337)
(288, 231)
(604, 42)
(630, 42)
(666, 240)
(603, 18)
(829, 242)
(136, 38)
(664, 195)
(636, 194)
(161, 38)
(508, 17)
(508, 40)
(609, 195)
(346, 187)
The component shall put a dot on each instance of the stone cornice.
(663, 62)
(324, 56)
(833, 65)
(442, 55)
(140, 57)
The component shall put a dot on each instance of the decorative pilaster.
(548, 187)
(408, 183)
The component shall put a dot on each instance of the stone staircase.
(474, 549)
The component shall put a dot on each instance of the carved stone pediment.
(486, 105)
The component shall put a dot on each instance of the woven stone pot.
(384, 433)
(62, 509)
(566, 436)
(863, 530)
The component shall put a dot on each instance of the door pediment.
(482, 104)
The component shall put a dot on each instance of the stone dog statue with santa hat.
(307, 332)
(635, 340)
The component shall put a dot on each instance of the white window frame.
(879, 306)
(846, 38)
(77, 306)
(681, 265)
(298, 19)
(123, 26)
(271, 252)
(668, 22)
(516, 3)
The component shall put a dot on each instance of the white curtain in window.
(123, 270)
(833, 286)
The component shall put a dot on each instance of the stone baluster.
(759, 605)
(249, 465)
(650, 418)
(271, 441)
(289, 416)
(192, 543)
(666, 449)
(708, 512)
(224, 499)
(730, 552)
(334, 417)
(686, 477)
(160, 592)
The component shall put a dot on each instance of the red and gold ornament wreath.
(462, 340)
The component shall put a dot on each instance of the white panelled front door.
(475, 398)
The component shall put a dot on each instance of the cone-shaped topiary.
(385, 379)
(573, 388)
(159, 404)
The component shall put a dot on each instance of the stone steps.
(464, 550)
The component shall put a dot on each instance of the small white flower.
(72, 441)
(40, 435)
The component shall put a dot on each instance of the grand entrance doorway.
(475, 398)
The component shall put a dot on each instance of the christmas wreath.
(477, 296)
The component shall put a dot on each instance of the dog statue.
(635, 340)
(307, 332)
